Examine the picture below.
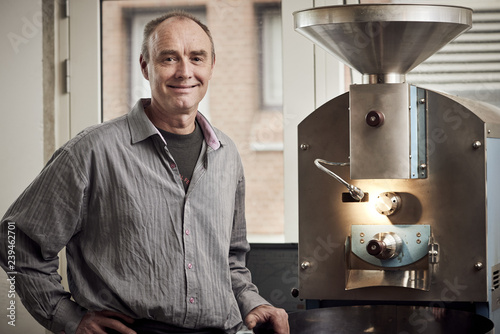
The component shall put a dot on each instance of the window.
(271, 71)
(469, 66)
(247, 37)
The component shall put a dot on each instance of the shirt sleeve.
(33, 231)
(245, 291)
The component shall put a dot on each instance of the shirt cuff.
(249, 300)
(67, 316)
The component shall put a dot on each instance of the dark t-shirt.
(185, 150)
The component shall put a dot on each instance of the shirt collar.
(141, 127)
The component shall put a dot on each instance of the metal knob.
(385, 246)
(374, 118)
(388, 203)
(375, 247)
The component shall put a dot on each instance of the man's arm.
(245, 291)
(36, 280)
(33, 231)
(254, 309)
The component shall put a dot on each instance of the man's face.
(180, 65)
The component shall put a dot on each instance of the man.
(150, 207)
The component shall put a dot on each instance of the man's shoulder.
(103, 134)
(224, 139)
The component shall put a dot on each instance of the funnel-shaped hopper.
(383, 40)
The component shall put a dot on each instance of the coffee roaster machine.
(399, 186)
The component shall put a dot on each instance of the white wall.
(21, 128)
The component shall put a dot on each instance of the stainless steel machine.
(399, 186)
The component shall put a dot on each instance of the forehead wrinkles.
(179, 33)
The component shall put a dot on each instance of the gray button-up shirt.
(136, 242)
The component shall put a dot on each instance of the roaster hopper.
(399, 186)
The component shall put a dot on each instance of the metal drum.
(388, 319)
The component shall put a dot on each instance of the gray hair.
(153, 24)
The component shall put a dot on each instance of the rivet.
(306, 264)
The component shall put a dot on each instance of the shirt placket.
(191, 295)
(193, 304)
(173, 166)
(192, 288)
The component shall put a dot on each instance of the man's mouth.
(182, 86)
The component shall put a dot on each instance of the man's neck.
(178, 123)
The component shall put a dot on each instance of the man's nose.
(184, 69)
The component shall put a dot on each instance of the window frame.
(270, 71)
(310, 78)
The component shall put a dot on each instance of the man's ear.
(144, 67)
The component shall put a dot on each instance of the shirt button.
(191, 300)
(190, 265)
(187, 232)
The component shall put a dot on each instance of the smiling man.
(150, 208)
(178, 59)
